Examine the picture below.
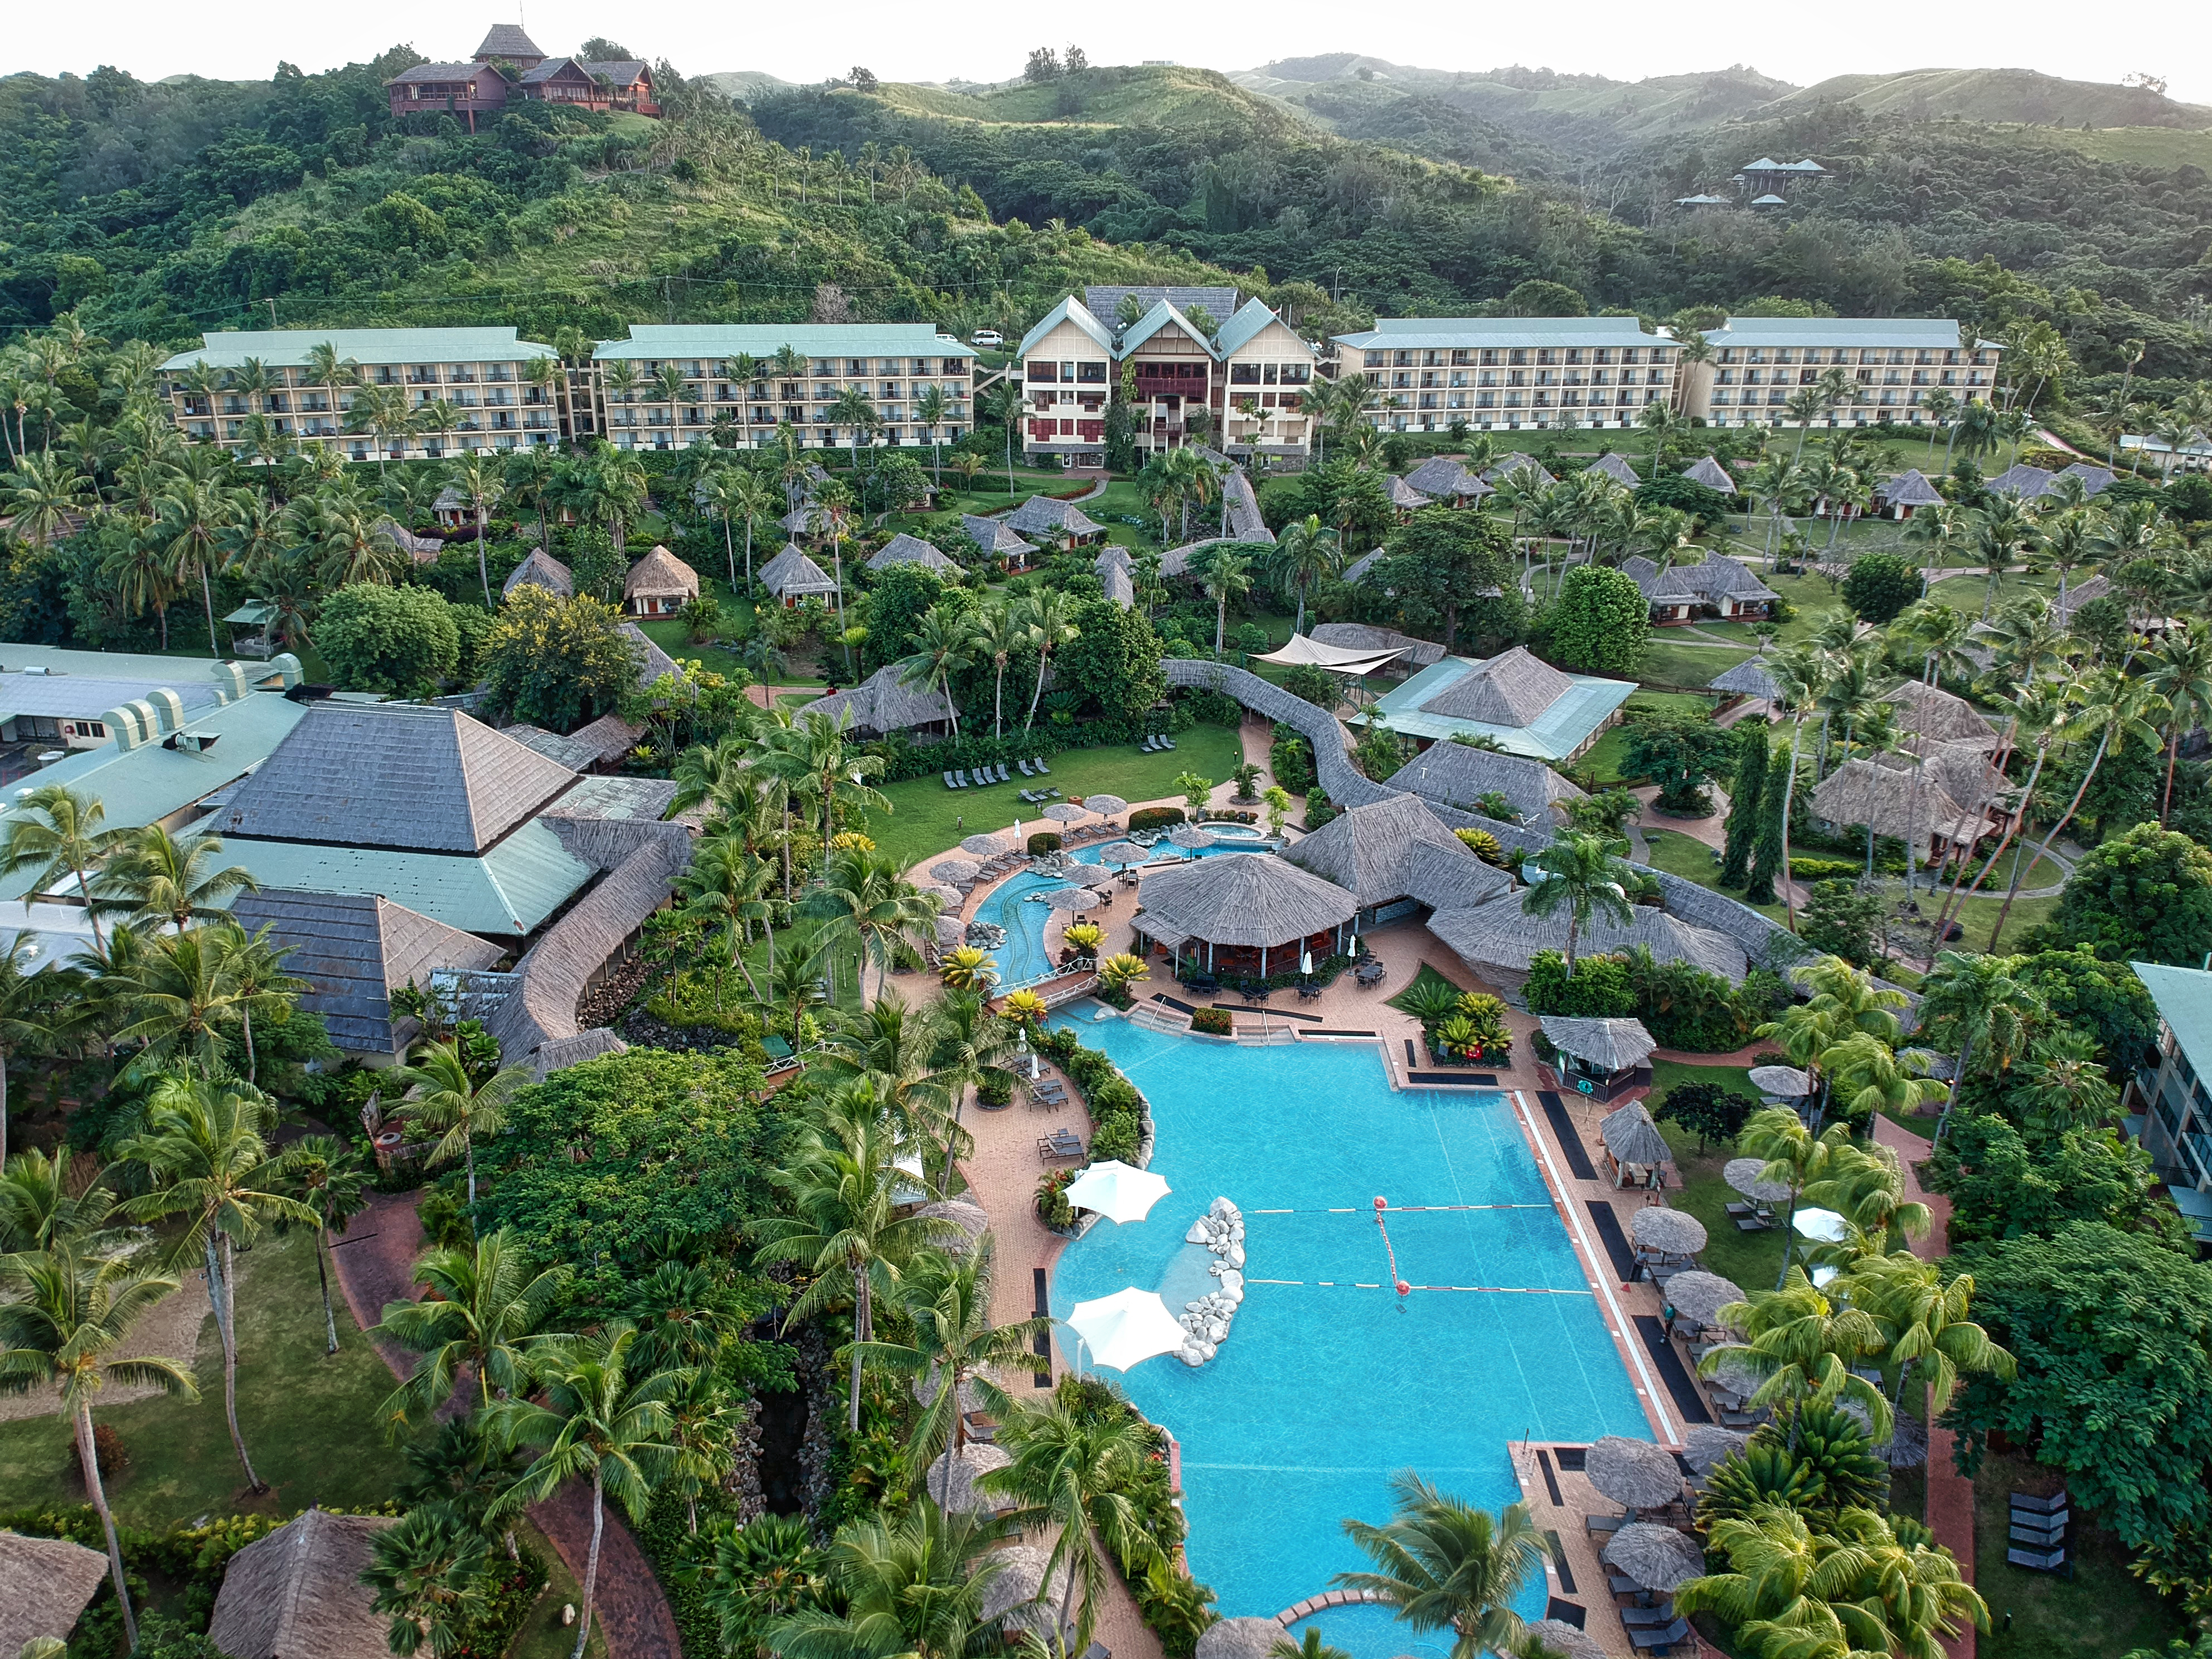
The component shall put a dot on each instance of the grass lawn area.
(2099, 1613)
(543, 1636)
(1753, 1260)
(926, 817)
(1685, 663)
(309, 1421)
(1600, 766)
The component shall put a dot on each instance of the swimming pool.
(1024, 958)
(1321, 1393)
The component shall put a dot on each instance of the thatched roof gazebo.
(952, 1485)
(885, 702)
(1710, 473)
(1565, 1639)
(1658, 1558)
(791, 576)
(539, 568)
(904, 548)
(1911, 806)
(1239, 1638)
(660, 584)
(1018, 1592)
(1634, 1472)
(1698, 1296)
(1250, 913)
(1749, 678)
(298, 1591)
(1598, 1058)
(44, 1585)
(1632, 1140)
(1617, 467)
(1670, 1231)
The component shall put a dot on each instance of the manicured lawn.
(1753, 1260)
(926, 817)
(1684, 662)
(2100, 1612)
(309, 1421)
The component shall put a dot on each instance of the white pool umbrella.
(1822, 1226)
(1116, 1191)
(1305, 964)
(1126, 1328)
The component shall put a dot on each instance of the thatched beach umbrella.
(1657, 1558)
(1105, 806)
(953, 871)
(952, 1485)
(947, 897)
(1089, 875)
(1061, 812)
(926, 1385)
(1019, 1591)
(1744, 1175)
(1734, 1371)
(1122, 852)
(950, 935)
(1786, 1081)
(965, 1214)
(983, 846)
(1562, 1637)
(1675, 1233)
(1632, 1137)
(1071, 898)
(1707, 1446)
(1700, 1297)
(1633, 1472)
(1190, 838)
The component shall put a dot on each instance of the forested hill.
(155, 211)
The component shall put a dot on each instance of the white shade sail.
(1302, 651)
(1823, 1226)
(1126, 1328)
(1116, 1191)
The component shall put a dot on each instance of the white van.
(987, 337)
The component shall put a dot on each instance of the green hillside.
(1164, 95)
(1996, 95)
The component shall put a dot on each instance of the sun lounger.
(1044, 771)
(2029, 1501)
(949, 784)
(1060, 1144)
(1166, 742)
(1660, 1641)
(1647, 1617)
(1595, 1525)
(2029, 1520)
(2041, 1561)
(1022, 766)
(2042, 1538)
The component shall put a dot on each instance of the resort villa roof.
(1498, 939)
(2022, 480)
(1042, 516)
(370, 348)
(1909, 487)
(660, 575)
(1403, 495)
(1658, 586)
(2081, 593)
(51, 682)
(1710, 473)
(904, 548)
(792, 574)
(509, 891)
(659, 341)
(1440, 476)
(298, 1591)
(1362, 636)
(1120, 587)
(1528, 707)
(1962, 769)
(541, 569)
(651, 661)
(1358, 570)
(1517, 462)
(2095, 479)
(357, 948)
(1718, 577)
(1397, 848)
(1253, 900)
(1909, 804)
(804, 520)
(994, 536)
(1608, 1045)
(1241, 507)
(1617, 467)
(884, 702)
(1748, 678)
(1463, 333)
(46, 1584)
(1458, 775)
(1933, 713)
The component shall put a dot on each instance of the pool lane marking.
(1405, 1209)
(1617, 1322)
(1485, 1290)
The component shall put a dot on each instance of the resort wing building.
(1526, 706)
(396, 393)
(1509, 371)
(1892, 364)
(1248, 375)
(667, 385)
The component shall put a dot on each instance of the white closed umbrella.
(1116, 1191)
(1305, 964)
(1126, 1328)
(1822, 1226)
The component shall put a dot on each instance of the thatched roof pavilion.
(1459, 774)
(298, 1591)
(904, 548)
(885, 702)
(1749, 678)
(1247, 912)
(1500, 938)
(791, 576)
(1711, 474)
(540, 569)
(1397, 848)
(44, 1585)
(659, 583)
(1930, 711)
(1909, 805)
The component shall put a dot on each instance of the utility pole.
(272, 313)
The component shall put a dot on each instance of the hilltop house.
(510, 67)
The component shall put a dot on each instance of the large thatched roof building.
(1396, 853)
(1907, 803)
(904, 548)
(1928, 711)
(1519, 701)
(297, 1594)
(1244, 913)
(884, 702)
(1500, 938)
(1459, 774)
(44, 1585)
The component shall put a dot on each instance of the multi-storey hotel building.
(665, 385)
(1892, 363)
(263, 388)
(1429, 372)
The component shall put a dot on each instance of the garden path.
(375, 1263)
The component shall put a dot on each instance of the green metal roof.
(1555, 734)
(1251, 316)
(1494, 333)
(147, 784)
(2184, 996)
(1070, 309)
(510, 890)
(288, 348)
(1917, 333)
(659, 340)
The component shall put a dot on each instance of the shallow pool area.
(1330, 1381)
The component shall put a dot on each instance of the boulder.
(1234, 1256)
(1197, 1235)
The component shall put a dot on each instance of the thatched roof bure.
(1251, 900)
(298, 1593)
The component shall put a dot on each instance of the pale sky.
(988, 40)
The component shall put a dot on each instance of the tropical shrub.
(1155, 817)
(1052, 1205)
(1483, 845)
(1599, 988)
(1083, 936)
(1707, 1111)
(1213, 1022)
(1044, 842)
(994, 1088)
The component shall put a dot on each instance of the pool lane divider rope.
(1381, 1205)
(1403, 1209)
(1403, 1288)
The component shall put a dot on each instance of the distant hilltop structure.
(1764, 184)
(508, 67)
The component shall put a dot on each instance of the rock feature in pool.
(987, 935)
(1220, 1230)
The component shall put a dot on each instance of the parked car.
(987, 337)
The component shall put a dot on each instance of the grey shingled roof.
(561, 752)
(1722, 577)
(1501, 934)
(904, 548)
(1442, 475)
(1246, 522)
(507, 40)
(2080, 594)
(1511, 689)
(1252, 899)
(392, 775)
(542, 569)
(1457, 773)
(1041, 516)
(882, 702)
(44, 1585)
(1658, 586)
(1119, 587)
(1359, 636)
(1614, 1044)
(2095, 479)
(1103, 300)
(1749, 677)
(1358, 570)
(1711, 474)
(651, 661)
(791, 572)
(661, 573)
(1909, 487)
(2021, 480)
(1517, 462)
(993, 535)
(298, 1592)
(1403, 495)
(1371, 852)
(355, 948)
(1617, 466)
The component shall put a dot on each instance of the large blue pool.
(1321, 1393)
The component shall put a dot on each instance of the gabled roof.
(1250, 319)
(1070, 309)
(1041, 516)
(1658, 586)
(1359, 636)
(356, 949)
(1710, 473)
(2022, 480)
(554, 69)
(993, 535)
(1909, 487)
(441, 72)
(2095, 479)
(791, 572)
(1104, 299)
(1502, 934)
(44, 1585)
(1358, 570)
(1404, 495)
(1933, 713)
(1119, 587)
(298, 1591)
(661, 573)
(651, 661)
(1441, 475)
(394, 775)
(904, 548)
(1158, 318)
(622, 71)
(885, 702)
(508, 41)
(1616, 465)
(1722, 577)
(1249, 899)
(1614, 1045)
(1517, 462)
(1511, 689)
(1246, 521)
(1396, 848)
(540, 568)
(1458, 775)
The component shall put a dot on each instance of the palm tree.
(1442, 1564)
(478, 479)
(174, 994)
(327, 1177)
(1306, 551)
(947, 1299)
(1071, 1470)
(2180, 672)
(1869, 1077)
(1790, 1590)
(866, 898)
(850, 407)
(1922, 1317)
(207, 1149)
(1795, 1157)
(1803, 1347)
(70, 1313)
(944, 642)
(1976, 1000)
(809, 758)
(1224, 573)
(1584, 873)
(428, 1574)
(908, 1586)
(1001, 405)
(38, 1010)
(43, 494)
(1779, 484)
(254, 964)
(966, 1040)
(1798, 673)
(725, 885)
(592, 1417)
(999, 631)
(149, 877)
(195, 517)
(55, 832)
(841, 1184)
(444, 1099)
(483, 1314)
(930, 408)
(1050, 616)
(530, 476)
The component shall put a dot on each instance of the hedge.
(1154, 818)
(1116, 1109)
(904, 759)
